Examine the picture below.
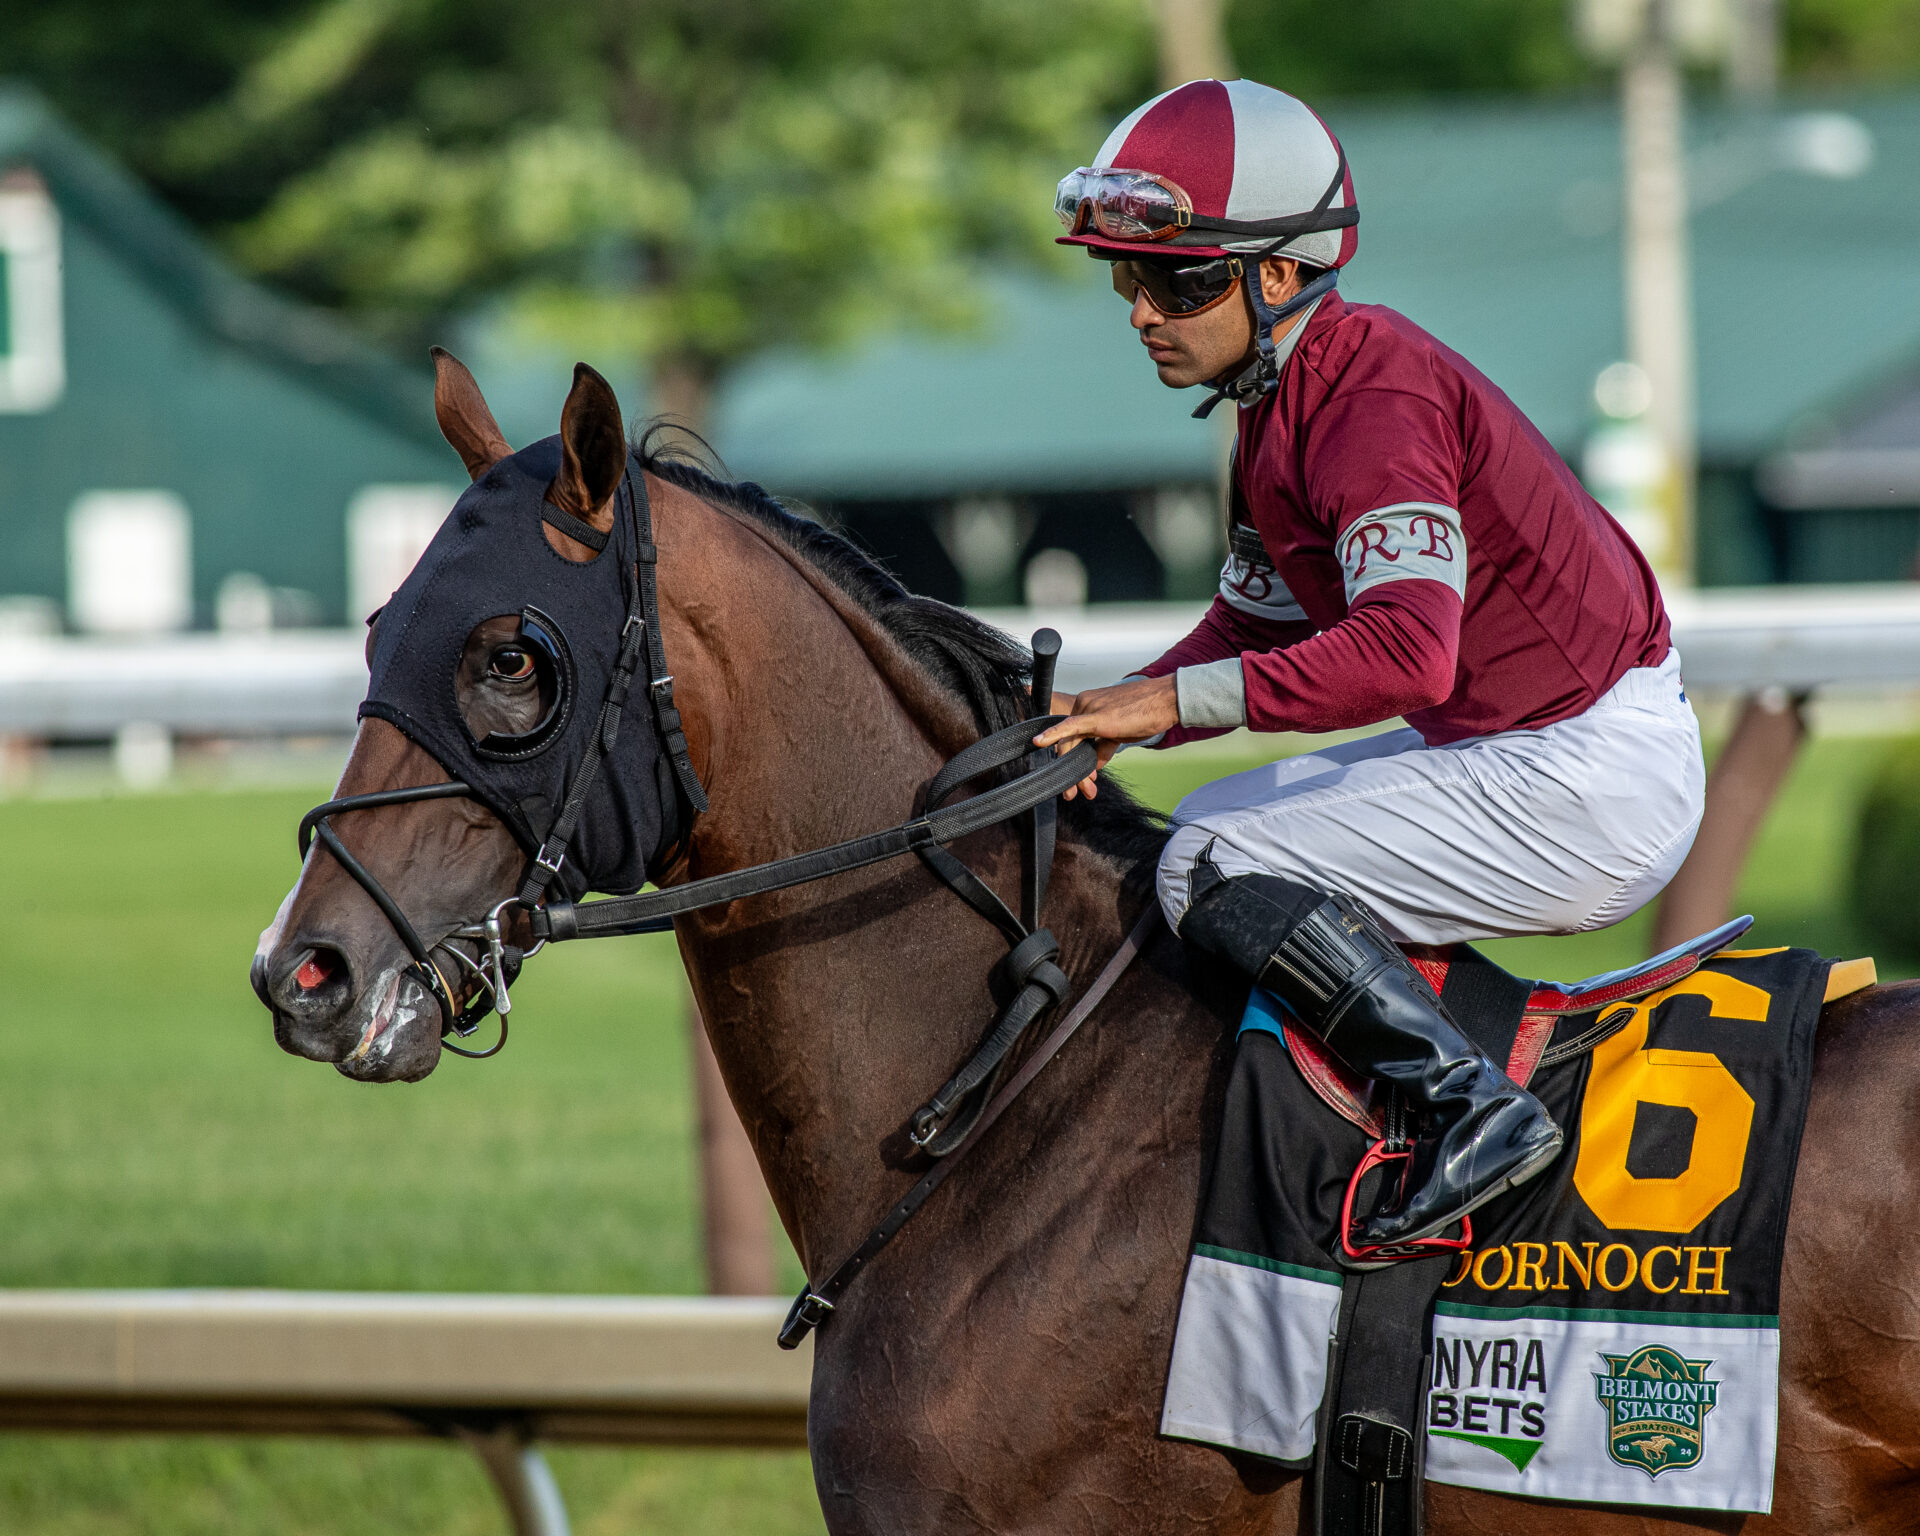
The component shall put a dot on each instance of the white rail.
(1737, 638)
(311, 681)
(497, 1372)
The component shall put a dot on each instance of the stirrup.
(1360, 1256)
(1380, 1255)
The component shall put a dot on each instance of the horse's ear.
(464, 418)
(593, 451)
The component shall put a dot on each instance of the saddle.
(1513, 1020)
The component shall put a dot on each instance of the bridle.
(955, 1117)
(499, 961)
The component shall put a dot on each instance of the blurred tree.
(123, 70)
(680, 180)
(687, 180)
(1839, 40)
(1375, 47)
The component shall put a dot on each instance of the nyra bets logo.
(1656, 1404)
(1490, 1393)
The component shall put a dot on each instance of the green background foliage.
(1884, 890)
(685, 181)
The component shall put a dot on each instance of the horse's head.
(480, 779)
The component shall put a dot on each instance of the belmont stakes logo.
(1657, 1405)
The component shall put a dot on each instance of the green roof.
(1494, 225)
(264, 416)
(175, 262)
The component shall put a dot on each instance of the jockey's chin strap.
(1263, 372)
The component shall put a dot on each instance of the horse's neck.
(836, 1008)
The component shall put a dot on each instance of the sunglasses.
(1178, 289)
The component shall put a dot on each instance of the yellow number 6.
(1625, 1073)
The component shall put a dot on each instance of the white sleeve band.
(1409, 541)
(1259, 591)
(1211, 695)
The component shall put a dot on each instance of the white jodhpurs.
(1570, 827)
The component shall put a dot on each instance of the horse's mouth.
(391, 1034)
(400, 1041)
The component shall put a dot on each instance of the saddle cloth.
(1612, 1334)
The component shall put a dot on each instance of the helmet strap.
(1263, 372)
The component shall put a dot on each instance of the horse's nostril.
(315, 971)
(321, 981)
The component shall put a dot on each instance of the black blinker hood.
(491, 559)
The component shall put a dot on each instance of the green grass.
(152, 1134)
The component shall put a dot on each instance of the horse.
(999, 1367)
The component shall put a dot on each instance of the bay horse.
(999, 1368)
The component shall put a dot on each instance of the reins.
(815, 1302)
(654, 911)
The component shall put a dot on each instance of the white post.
(1659, 296)
(522, 1478)
(1193, 41)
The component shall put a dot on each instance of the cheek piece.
(589, 817)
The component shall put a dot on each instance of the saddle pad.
(1613, 1335)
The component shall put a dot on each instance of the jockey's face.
(1193, 349)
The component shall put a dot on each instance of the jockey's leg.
(1548, 831)
(1327, 958)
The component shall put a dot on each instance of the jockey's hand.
(1135, 710)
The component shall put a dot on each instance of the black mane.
(974, 660)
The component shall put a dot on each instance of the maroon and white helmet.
(1213, 167)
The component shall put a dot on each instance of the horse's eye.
(511, 666)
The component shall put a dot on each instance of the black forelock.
(971, 659)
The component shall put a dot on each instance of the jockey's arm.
(1396, 651)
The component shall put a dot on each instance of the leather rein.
(960, 1111)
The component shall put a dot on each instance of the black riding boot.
(1480, 1132)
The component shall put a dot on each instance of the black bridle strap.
(659, 680)
(552, 855)
(653, 911)
(815, 1302)
(639, 632)
(573, 527)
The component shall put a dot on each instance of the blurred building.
(179, 446)
(1496, 225)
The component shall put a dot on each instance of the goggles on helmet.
(1122, 205)
(1178, 289)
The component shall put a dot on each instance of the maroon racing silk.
(1373, 413)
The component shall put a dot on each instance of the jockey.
(1404, 544)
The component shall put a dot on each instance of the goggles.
(1122, 205)
(1178, 289)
